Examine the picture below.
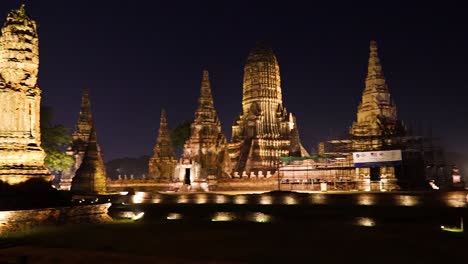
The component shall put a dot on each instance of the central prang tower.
(264, 131)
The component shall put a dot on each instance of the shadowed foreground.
(232, 242)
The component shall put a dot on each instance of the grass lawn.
(182, 241)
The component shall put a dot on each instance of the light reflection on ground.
(220, 199)
(240, 199)
(407, 200)
(260, 217)
(289, 200)
(366, 199)
(266, 199)
(223, 217)
(174, 216)
(318, 199)
(365, 221)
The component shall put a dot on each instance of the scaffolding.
(308, 172)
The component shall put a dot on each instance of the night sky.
(139, 56)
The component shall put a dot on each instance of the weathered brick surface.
(21, 220)
(22, 157)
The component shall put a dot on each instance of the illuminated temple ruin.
(91, 175)
(377, 126)
(206, 145)
(394, 156)
(81, 138)
(376, 114)
(88, 173)
(162, 165)
(21, 154)
(264, 131)
(375, 129)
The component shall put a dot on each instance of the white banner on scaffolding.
(376, 157)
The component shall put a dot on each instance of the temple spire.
(163, 130)
(91, 175)
(205, 91)
(82, 137)
(85, 119)
(21, 11)
(161, 166)
(374, 68)
(206, 145)
(205, 108)
(376, 104)
(164, 146)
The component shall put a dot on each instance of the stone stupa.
(22, 157)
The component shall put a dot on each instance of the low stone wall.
(20, 220)
(137, 185)
(233, 184)
(249, 184)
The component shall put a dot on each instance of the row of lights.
(260, 217)
(228, 216)
(453, 200)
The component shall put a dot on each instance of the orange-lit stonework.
(21, 154)
(80, 142)
(162, 165)
(207, 145)
(264, 131)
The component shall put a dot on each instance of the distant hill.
(127, 166)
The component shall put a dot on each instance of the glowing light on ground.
(318, 199)
(157, 199)
(221, 199)
(366, 199)
(201, 199)
(223, 217)
(138, 216)
(407, 200)
(4, 216)
(241, 199)
(182, 199)
(454, 229)
(260, 217)
(174, 216)
(456, 199)
(131, 215)
(290, 200)
(365, 221)
(123, 193)
(138, 197)
(266, 199)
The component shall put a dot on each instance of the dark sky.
(139, 56)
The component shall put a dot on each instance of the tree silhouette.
(54, 139)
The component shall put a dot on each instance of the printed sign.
(377, 158)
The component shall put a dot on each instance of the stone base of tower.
(18, 174)
(386, 180)
(258, 155)
(382, 185)
(19, 164)
(88, 183)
